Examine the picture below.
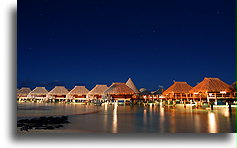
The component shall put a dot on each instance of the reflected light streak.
(162, 119)
(115, 122)
(106, 107)
(173, 123)
(145, 117)
(197, 124)
(212, 123)
(105, 116)
(226, 113)
(150, 115)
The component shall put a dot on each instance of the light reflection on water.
(162, 119)
(115, 122)
(197, 124)
(145, 116)
(105, 115)
(212, 123)
(127, 119)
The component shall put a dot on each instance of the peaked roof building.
(210, 85)
(233, 86)
(58, 90)
(130, 84)
(79, 90)
(39, 91)
(24, 91)
(98, 90)
(119, 89)
(178, 87)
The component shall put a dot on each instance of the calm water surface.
(130, 119)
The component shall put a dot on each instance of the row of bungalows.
(209, 90)
(118, 91)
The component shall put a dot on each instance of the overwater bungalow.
(155, 95)
(17, 90)
(119, 92)
(145, 94)
(22, 93)
(211, 90)
(58, 94)
(178, 92)
(78, 94)
(38, 94)
(131, 85)
(144, 91)
(151, 95)
(234, 89)
(97, 92)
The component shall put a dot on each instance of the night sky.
(89, 42)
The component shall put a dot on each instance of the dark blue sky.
(154, 42)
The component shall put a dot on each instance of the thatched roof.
(58, 90)
(144, 91)
(98, 90)
(39, 91)
(119, 89)
(178, 87)
(79, 90)
(24, 91)
(130, 84)
(210, 85)
(233, 86)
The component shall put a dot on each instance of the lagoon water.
(131, 119)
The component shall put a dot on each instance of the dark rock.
(19, 124)
(50, 127)
(58, 126)
(42, 123)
